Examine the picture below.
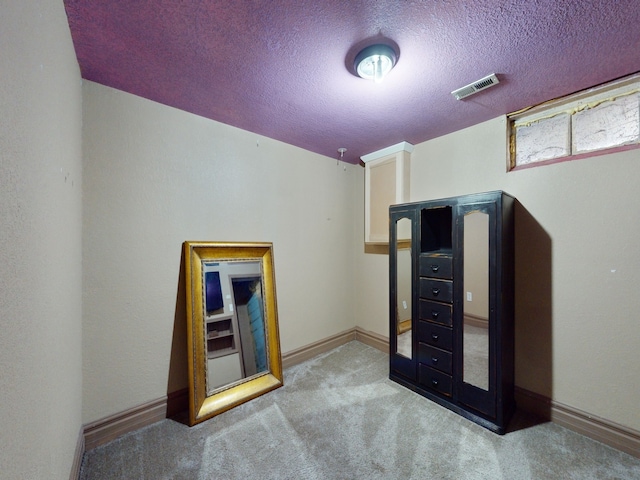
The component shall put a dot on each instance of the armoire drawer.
(434, 358)
(436, 266)
(435, 335)
(439, 290)
(435, 312)
(434, 379)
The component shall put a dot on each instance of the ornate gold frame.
(201, 405)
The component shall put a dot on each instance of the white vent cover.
(475, 87)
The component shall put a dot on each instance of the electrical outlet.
(404, 304)
(469, 297)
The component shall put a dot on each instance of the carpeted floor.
(339, 417)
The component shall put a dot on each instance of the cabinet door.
(402, 279)
(476, 319)
(386, 183)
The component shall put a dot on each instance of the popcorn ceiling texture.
(280, 69)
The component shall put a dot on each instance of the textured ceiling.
(280, 68)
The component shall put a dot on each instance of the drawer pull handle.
(434, 314)
(434, 359)
(435, 291)
(435, 268)
(434, 382)
(435, 337)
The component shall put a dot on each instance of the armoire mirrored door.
(477, 230)
(401, 302)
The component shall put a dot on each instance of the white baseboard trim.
(600, 429)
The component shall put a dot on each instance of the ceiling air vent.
(475, 87)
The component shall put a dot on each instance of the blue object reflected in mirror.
(213, 292)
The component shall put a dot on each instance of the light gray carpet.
(476, 356)
(339, 417)
(404, 344)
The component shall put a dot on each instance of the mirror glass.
(234, 323)
(403, 288)
(476, 300)
(233, 342)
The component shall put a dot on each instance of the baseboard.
(373, 339)
(596, 428)
(532, 402)
(475, 320)
(599, 429)
(110, 428)
(77, 457)
(307, 352)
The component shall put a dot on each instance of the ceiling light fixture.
(375, 61)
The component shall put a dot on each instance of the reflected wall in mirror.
(403, 288)
(476, 300)
(233, 339)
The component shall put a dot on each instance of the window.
(592, 122)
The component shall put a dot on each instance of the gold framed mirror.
(233, 341)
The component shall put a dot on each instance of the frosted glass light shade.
(375, 61)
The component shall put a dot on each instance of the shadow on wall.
(533, 314)
(177, 385)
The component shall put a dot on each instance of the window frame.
(571, 104)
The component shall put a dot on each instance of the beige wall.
(155, 177)
(40, 242)
(577, 265)
(476, 265)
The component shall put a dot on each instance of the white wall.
(40, 242)
(577, 265)
(155, 177)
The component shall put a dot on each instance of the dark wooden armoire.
(452, 303)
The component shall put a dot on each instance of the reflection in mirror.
(476, 300)
(234, 325)
(233, 342)
(403, 287)
(247, 295)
